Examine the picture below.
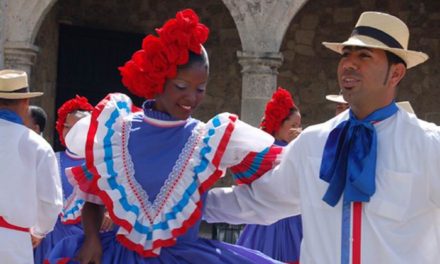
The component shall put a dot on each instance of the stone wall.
(136, 16)
(43, 77)
(309, 70)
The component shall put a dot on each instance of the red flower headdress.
(277, 110)
(78, 103)
(145, 74)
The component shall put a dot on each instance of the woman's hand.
(293, 133)
(107, 223)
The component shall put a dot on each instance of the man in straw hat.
(30, 189)
(367, 181)
(341, 104)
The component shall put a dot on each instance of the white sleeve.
(77, 136)
(273, 196)
(49, 193)
(243, 140)
(434, 165)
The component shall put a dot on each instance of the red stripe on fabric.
(63, 261)
(5, 224)
(224, 141)
(357, 228)
(157, 244)
(72, 221)
(245, 164)
(267, 163)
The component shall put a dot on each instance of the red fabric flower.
(277, 110)
(145, 74)
(75, 104)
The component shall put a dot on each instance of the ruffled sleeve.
(97, 138)
(248, 151)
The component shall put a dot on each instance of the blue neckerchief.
(349, 159)
(10, 116)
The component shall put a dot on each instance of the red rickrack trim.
(128, 176)
(78, 103)
(277, 109)
(177, 179)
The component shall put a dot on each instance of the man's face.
(363, 75)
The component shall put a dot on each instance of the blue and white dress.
(68, 222)
(281, 240)
(152, 171)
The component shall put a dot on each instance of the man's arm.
(49, 193)
(272, 197)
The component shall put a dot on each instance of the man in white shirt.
(367, 182)
(30, 189)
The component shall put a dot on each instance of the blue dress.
(280, 240)
(152, 173)
(68, 222)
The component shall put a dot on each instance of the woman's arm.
(91, 250)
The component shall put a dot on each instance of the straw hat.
(337, 98)
(14, 85)
(405, 105)
(381, 31)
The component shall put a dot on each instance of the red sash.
(5, 224)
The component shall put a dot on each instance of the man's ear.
(398, 71)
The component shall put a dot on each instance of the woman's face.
(290, 128)
(71, 120)
(185, 92)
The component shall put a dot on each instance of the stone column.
(260, 72)
(2, 32)
(20, 55)
(261, 25)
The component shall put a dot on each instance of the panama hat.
(14, 85)
(381, 31)
(337, 98)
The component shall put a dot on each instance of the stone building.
(74, 47)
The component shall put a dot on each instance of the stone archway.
(21, 23)
(262, 26)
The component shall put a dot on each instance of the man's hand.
(36, 240)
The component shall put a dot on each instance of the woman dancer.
(151, 168)
(282, 239)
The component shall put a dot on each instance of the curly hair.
(145, 73)
(278, 109)
(78, 103)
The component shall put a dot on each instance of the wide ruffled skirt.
(59, 232)
(280, 240)
(198, 251)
